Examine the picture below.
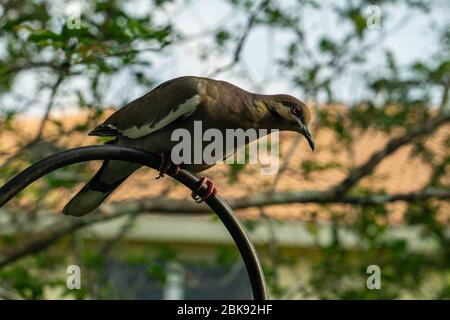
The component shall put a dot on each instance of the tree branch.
(48, 108)
(53, 90)
(31, 65)
(394, 144)
(241, 41)
(43, 239)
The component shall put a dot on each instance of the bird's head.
(290, 114)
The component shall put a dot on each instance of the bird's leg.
(166, 165)
(210, 191)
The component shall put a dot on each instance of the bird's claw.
(209, 192)
(167, 166)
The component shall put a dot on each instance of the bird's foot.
(167, 166)
(209, 192)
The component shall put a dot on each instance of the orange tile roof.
(400, 172)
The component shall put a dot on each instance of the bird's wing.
(172, 100)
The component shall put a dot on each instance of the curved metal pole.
(112, 152)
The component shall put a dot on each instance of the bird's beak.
(307, 134)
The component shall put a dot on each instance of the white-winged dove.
(148, 122)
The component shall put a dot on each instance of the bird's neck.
(263, 109)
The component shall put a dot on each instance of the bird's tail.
(110, 175)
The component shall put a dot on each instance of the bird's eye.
(297, 111)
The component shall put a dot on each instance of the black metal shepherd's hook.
(112, 152)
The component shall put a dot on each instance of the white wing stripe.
(185, 109)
